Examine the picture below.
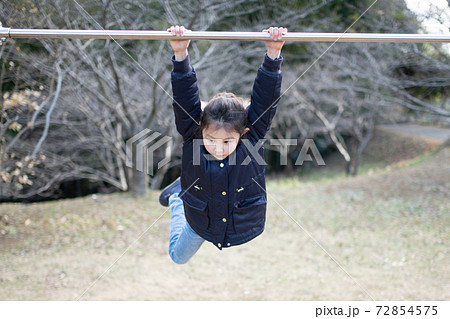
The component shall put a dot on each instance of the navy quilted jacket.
(225, 200)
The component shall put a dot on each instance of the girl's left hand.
(274, 47)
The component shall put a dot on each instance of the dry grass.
(389, 231)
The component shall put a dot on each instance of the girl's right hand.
(179, 46)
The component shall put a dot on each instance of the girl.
(221, 195)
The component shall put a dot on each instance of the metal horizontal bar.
(220, 35)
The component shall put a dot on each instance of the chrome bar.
(220, 35)
(4, 32)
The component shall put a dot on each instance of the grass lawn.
(383, 235)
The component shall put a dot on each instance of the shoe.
(173, 188)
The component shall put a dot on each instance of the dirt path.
(434, 134)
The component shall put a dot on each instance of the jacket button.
(219, 245)
(224, 220)
(224, 193)
(222, 164)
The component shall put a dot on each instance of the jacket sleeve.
(186, 98)
(265, 96)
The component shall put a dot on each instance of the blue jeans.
(183, 240)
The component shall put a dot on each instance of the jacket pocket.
(249, 212)
(196, 210)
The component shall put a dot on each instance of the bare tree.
(353, 87)
(96, 94)
(69, 106)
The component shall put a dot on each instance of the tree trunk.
(139, 183)
(348, 168)
(354, 168)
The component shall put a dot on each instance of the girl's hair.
(224, 110)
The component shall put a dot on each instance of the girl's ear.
(245, 131)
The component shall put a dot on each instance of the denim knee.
(177, 259)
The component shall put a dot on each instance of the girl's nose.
(219, 148)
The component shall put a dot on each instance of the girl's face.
(219, 142)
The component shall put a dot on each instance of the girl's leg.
(183, 240)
